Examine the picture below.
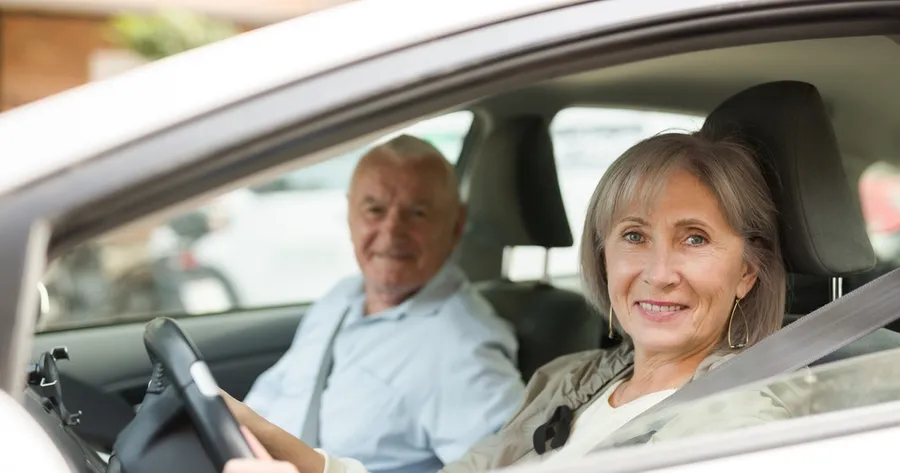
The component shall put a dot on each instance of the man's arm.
(478, 390)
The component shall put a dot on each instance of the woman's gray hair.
(731, 172)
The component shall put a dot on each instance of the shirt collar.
(427, 301)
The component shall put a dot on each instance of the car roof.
(89, 120)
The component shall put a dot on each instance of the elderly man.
(404, 367)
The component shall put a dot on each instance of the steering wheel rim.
(178, 363)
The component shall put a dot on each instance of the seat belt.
(822, 332)
(310, 432)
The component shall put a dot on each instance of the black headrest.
(543, 211)
(786, 123)
(514, 190)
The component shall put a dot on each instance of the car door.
(305, 117)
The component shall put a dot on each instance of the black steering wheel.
(176, 359)
(182, 404)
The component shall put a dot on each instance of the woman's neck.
(656, 372)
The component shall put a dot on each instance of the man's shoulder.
(467, 315)
(333, 301)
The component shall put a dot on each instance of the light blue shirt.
(412, 388)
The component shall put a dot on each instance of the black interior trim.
(232, 343)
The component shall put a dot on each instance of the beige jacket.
(576, 380)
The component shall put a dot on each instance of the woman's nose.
(661, 269)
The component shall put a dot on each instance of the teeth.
(660, 308)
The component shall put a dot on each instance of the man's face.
(404, 222)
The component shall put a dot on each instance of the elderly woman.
(680, 248)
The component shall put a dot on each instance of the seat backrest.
(550, 322)
(514, 200)
(823, 234)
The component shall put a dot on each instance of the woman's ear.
(748, 280)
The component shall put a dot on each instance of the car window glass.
(585, 142)
(279, 243)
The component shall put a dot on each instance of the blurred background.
(48, 46)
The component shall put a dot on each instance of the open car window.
(280, 243)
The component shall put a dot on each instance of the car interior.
(815, 111)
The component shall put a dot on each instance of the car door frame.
(314, 115)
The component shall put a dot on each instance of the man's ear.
(349, 202)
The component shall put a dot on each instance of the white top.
(597, 422)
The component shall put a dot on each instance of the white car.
(139, 149)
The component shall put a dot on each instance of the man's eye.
(633, 237)
(696, 240)
(375, 210)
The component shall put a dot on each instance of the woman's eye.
(633, 237)
(696, 240)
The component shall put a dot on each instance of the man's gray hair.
(408, 148)
(731, 172)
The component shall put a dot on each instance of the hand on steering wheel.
(263, 463)
(178, 362)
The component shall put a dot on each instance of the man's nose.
(661, 267)
(396, 222)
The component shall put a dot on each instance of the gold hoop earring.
(731, 344)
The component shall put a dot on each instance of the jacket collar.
(587, 381)
(427, 301)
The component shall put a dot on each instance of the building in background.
(48, 46)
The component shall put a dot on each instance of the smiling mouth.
(396, 256)
(659, 312)
(661, 308)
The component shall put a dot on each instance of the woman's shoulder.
(570, 362)
(576, 367)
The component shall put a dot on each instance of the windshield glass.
(853, 383)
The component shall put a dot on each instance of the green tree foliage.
(168, 32)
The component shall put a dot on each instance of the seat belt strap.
(831, 327)
(310, 432)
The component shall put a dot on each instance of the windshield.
(849, 384)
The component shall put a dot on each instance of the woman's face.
(675, 269)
